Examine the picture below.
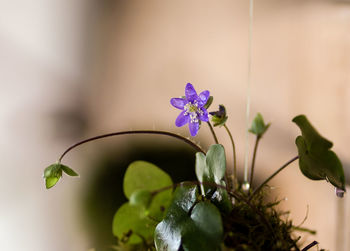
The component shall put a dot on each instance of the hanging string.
(249, 80)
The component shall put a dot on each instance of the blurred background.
(73, 69)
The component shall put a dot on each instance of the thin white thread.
(249, 80)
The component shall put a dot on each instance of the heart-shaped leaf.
(316, 160)
(135, 221)
(211, 169)
(142, 175)
(191, 224)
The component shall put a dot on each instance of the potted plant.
(217, 211)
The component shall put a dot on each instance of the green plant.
(216, 211)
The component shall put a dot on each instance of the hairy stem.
(253, 161)
(212, 132)
(272, 175)
(234, 155)
(194, 145)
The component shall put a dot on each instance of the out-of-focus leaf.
(258, 126)
(142, 175)
(316, 160)
(131, 224)
(141, 197)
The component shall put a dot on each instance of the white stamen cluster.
(193, 110)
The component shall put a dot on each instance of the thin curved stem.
(272, 175)
(234, 155)
(194, 145)
(212, 132)
(253, 161)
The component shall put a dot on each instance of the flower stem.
(253, 161)
(194, 145)
(234, 155)
(212, 132)
(273, 175)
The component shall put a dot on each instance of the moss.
(268, 230)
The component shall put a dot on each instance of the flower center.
(193, 110)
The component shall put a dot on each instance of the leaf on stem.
(211, 168)
(258, 126)
(135, 221)
(53, 173)
(316, 160)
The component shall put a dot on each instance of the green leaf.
(316, 160)
(141, 197)
(51, 181)
(167, 235)
(205, 230)
(192, 224)
(142, 175)
(201, 169)
(216, 163)
(211, 169)
(258, 126)
(131, 224)
(69, 171)
(53, 173)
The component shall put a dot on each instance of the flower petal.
(204, 116)
(190, 92)
(178, 103)
(194, 127)
(203, 98)
(182, 119)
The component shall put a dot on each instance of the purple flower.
(192, 106)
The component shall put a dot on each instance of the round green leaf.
(216, 163)
(131, 223)
(144, 175)
(141, 197)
